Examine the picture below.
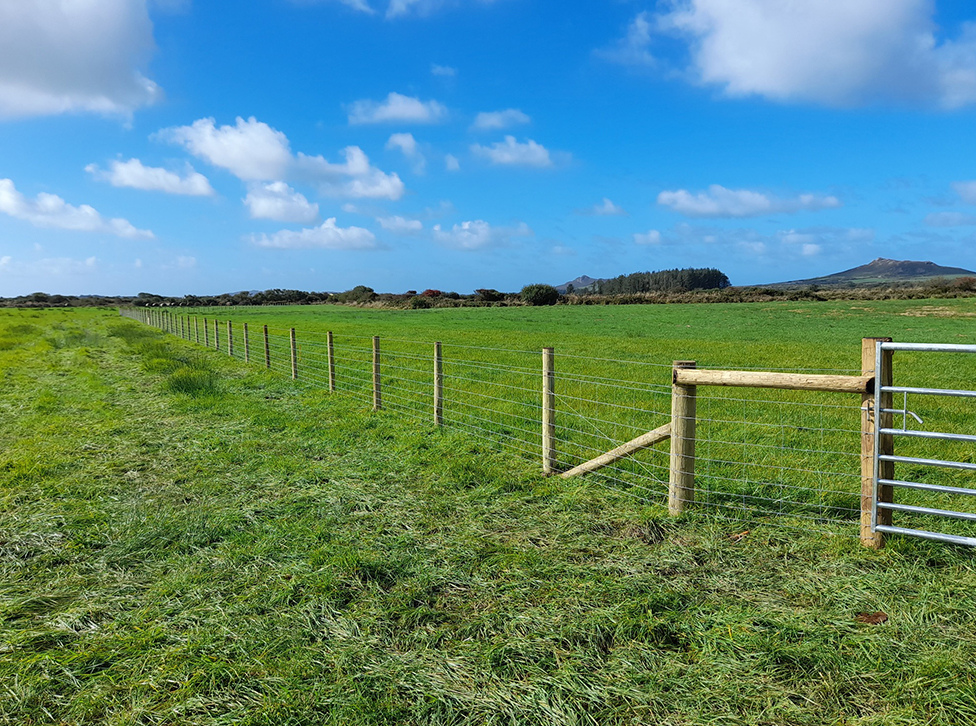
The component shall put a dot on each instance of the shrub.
(539, 294)
(420, 303)
(486, 294)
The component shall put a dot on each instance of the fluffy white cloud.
(396, 108)
(400, 225)
(495, 120)
(451, 163)
(50, 210)
(652, 237)
(514, 153)
(478, 234)
(721, 202)
(57, 57)
(326, 236)
(250, 150)
(356, 178)
(407, 144)
(606, 208)
(133, 174)
(254, 151)
(833, 52)
(280, 202)
(966, 191)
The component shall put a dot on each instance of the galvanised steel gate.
(885, 443)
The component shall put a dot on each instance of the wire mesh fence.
(790, 456)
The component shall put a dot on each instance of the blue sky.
(182, 146)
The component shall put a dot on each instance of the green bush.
(540, 294)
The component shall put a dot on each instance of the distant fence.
(792, 446)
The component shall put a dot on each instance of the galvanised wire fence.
(793, 457)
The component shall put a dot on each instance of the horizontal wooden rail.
(641, 442)
(785, 381)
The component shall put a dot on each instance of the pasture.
(185, 539)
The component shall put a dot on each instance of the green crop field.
(187, 539)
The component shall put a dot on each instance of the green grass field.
(188, 540)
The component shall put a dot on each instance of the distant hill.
(881, 272)
(578, 284)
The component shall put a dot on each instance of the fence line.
(794, 457)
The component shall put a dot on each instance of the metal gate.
(885, 444)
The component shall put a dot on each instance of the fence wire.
(792, 457)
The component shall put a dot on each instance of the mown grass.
(264, 553)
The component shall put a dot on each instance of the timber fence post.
(548, 412)
(681, 480)
(294, 355)
(230, 339)
(267, 349)
(871, 422)
(247, 348)
(331, 359)
(196, 328)
(438, 385)
(206, 333)
(216, 335)
(377, 394)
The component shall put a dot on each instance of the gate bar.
(928, 462)
(930, 435)
(928, 487)
(939, 537)
(930, 347)
(929, 391)
(970, 516)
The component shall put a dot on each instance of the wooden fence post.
(294, 355)
(681, 481)
(267, 349)
(247, 347)
(377, 394)
(438, 385)
(871, 421)
(196, 328)
(206, 333)
(331, 355)
(548, 412)
(216, 335)
(230, 339)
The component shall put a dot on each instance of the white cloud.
(451, 163)
(722, 202)
(355, 178)
(966, 191)
(133, 174)
(396, 108)
(833, 52)
(326, 236)
(251, 150)
(407, 144)
(280, 202)
(950, 219)
(496, 120)
(359, 5)
(51, 211)
(58, 57)
(478, 234)
(632, 49)
(400, 225)
(443, 71)
(810, 250)
(254, 151)
(48, 267)
(652, 237)
(511, 152)
(186, 263)
(606, 208)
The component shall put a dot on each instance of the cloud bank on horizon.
(762, 137)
